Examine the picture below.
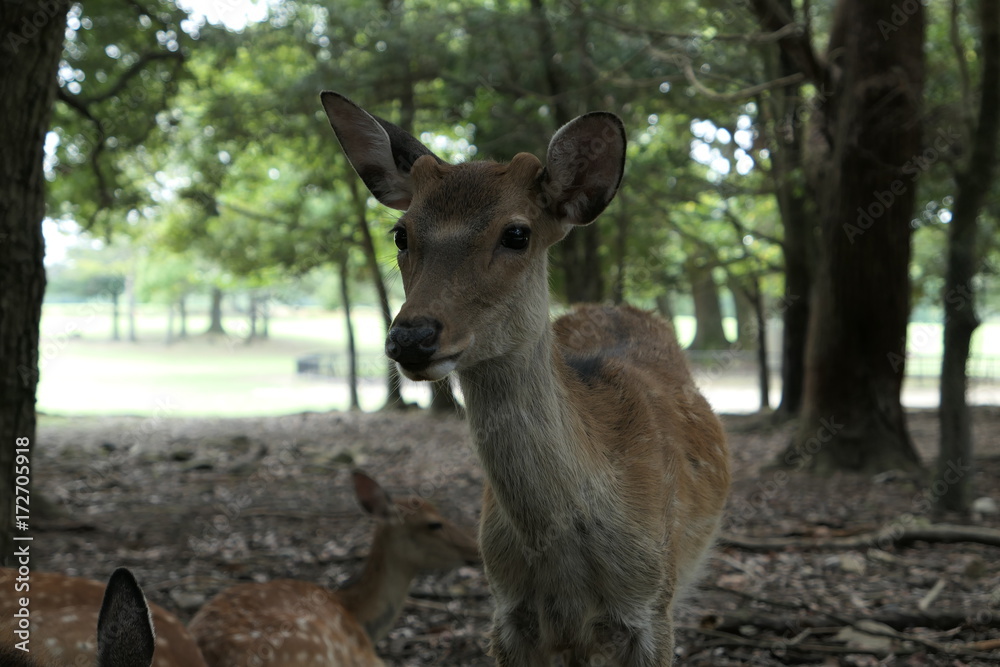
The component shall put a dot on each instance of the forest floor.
(196, 505)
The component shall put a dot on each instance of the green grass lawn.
(84, 373)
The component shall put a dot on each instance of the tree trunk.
(352, 352)
(763, 372)
(952, 486)
(115, 334)
(182, 312)
(664, 308)
(265, 316)
(215, 313)
(794, 194)
(581, 264)
(851, 414)
(27, 90)
(252, 316)
(621, 249)
(394, 399)
(709, 334)
(580, 250)
(170, 324)
(743, 309)
(130, 304)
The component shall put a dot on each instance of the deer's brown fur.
(606, 470)
(65, 629)
(288, 623)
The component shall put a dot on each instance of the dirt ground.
(194, 506)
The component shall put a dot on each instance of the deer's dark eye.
(399, 236)
(515, 238)
(435, 525)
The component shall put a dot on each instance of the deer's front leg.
(515, 641)
(622, 645)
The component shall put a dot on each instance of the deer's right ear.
(381, 153)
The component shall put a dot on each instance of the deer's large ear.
(586, 159)
(373, 498)
(124, 627)
(381, 153)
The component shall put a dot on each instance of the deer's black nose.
(412, 343)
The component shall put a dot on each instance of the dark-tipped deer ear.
(373, 498)
(586, 160)
(381, 153)
(124, 626)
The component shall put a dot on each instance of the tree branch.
(129, 73)
(796, 43)
(753, 37)
(684, 62)
(104, 197)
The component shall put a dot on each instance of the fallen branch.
(893, 534)
(781, 646)
(897, 619)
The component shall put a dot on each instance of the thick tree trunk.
(394, 399)
(31, 38)
(215, 313)
(352, 352)
(952, 487)
(709, 334)
(851, 413)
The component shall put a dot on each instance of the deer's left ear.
(586, 160)
(372, 497)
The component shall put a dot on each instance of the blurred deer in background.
(296, 623)
(66, 613)
(606, 469)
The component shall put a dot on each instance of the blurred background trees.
(798, 164)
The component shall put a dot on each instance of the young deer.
(606, 470)
(64, 613)
(294, 623)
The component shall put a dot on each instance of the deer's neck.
(376, 597)
(529, 437)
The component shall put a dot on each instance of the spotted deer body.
(77, 621)
(606, 470)
(291, 623)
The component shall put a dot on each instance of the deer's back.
(282, 622)
(626, 367)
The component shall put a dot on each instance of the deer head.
(413, 533)
(473, 241)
